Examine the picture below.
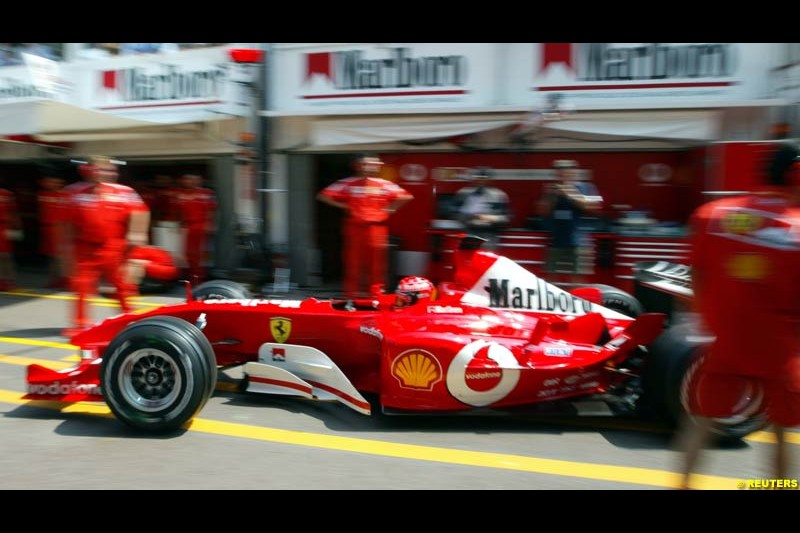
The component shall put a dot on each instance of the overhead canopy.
(686, 125)
(690, 126)
(44, 116)
(52, 121)
(334, 132)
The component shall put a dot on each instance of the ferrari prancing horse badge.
(280, 328)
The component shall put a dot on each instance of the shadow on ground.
(628, 433)
(36, 333)
(85, 424)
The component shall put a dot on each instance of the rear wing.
(662, 286)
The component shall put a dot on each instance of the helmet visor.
(405, 298)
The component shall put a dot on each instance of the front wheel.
(158, 373)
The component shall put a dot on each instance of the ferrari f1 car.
(496, 337)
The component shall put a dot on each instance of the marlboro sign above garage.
(645, 66)
(635, 75)
(358, 76)
(190, 86)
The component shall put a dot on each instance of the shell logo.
(741, 223)
(749, 267)
(416, 369)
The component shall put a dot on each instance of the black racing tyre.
(670, 358)
(220, 289)
(210, 356)
(150, 285)
(619, 300)
(158, 373)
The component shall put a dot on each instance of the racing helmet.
(413, 289)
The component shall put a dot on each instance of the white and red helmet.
(413, 289)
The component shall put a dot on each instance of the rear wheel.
(158, 373)
(671, 359)
(221, 289)
(619, 300)
(150, 285)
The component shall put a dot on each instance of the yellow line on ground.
(43, 344)
(25, 361)
(557, 467)
(134, 300)
(768, 437)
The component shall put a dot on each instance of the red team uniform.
(50, 207)
(100, 214)
(752, 307)
(161, 202)
(8, 210)
(195, 208)
(368, 200)
(9, 220)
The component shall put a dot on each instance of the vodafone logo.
(482, 373)
(57, 388)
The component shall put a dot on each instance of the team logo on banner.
(280, 328)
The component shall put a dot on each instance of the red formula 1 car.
(496, 337)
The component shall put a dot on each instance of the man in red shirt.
(369, 201)
(164, 191)
(195, 207)
(10, 229)
(51, 200)
(746, 281)
(159, 197)
(102, 219)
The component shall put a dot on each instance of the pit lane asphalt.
(253, 441)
